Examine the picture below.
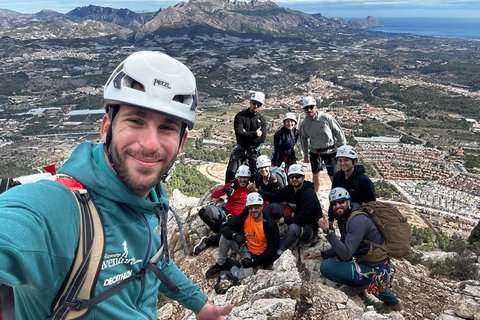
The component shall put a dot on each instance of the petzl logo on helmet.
(158, 82)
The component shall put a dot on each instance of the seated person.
(266, 179)
(253, 235)
(301, 211)
(350, 245)
(214, 216)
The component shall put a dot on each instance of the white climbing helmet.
(337, 194)
(296, 169)
(309, 101)
(347, 152)
(243, 171)
(263, 161)
(169, 86)
(258, 96)
(254, 198)
(290, 116)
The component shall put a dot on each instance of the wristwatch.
(326, 230)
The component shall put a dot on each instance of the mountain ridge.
(222, 15)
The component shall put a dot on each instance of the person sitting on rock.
(300, 212)
(266, 179)
(355, 273)
(253, 235)
(214, 216)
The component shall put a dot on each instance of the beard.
(129, 177)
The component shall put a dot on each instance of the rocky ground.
(295, 289)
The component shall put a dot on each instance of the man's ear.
(182, 143)
(104, 127)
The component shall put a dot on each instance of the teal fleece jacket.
(39, 233)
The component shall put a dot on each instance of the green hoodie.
(40, 230)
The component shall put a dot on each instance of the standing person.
(350, 246)
(150, 100)
(284, 142)
(266, 179)
(319, 132)
(301, 211)
(352, 177)
(250, 130)
(214, 216)
(253, 236)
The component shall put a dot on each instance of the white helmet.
(347, 152)
(243, 171)
(338, 193)
(309, 101)
(291, 116)
(254, 198)
(263, 161)
(258, 96)
(169, 86)
(296, 169)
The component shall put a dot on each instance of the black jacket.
(271, 233)
(358, 185)
(305, 206)
(245, 125)
(284, 141)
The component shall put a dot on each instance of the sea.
(464, 28)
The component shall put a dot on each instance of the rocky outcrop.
(295, 289)
(368, 23)
(121, 17)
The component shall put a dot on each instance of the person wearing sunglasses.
(351, 270)
(296, 205)
(250, 131)
(253, 236)
(319, 135)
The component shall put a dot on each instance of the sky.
(329, 8)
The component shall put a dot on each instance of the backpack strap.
(377, 251)
(83, 275)
(75, 299)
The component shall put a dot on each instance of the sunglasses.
(308, 108)
(255, 206)
(256, 103)
(295, 176)
(334, 203)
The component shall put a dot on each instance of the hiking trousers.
(345, 273)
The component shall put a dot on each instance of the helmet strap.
(112, 112)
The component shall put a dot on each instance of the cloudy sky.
(328, 8)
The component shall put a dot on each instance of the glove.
(239, 239)
(247, 263)
(228, 190)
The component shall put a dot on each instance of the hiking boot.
(396, 307)
(202, 245)
(215, 270)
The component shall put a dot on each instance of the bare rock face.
(368, 23)
(295, 289)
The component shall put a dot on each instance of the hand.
(305, 159)
(239, 239)
(259, 132)
(311, 255)
(246, 262)
(213, 312)
(281, 221)
(252, 186)
(228, 191)
(323, 223)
